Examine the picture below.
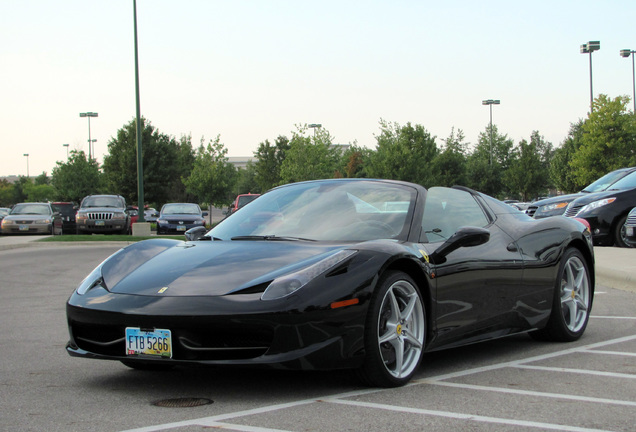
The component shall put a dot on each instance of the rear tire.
(395, 332)
(572, 300)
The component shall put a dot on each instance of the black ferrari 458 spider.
(348, 273)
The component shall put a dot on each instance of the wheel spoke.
(412, 339)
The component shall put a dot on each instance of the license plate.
(100, 223)
(24, 227)
(629, 231)
(181, 228)
(154, 343)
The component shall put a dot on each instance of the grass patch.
(106, 238)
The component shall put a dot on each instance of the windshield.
(606, 181)
(627, 182)
(324, 211)
(169, 209)
(102, 201)
(31, 209)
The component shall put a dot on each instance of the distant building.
(11, 178)
(241, 161)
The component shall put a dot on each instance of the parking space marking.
(531, 393)
(471, 417)
(613, 317)
(578, 371)
(218, 420)
(616, 353)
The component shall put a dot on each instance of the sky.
(249, 71)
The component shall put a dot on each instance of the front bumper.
(30, 228)
(99, 227)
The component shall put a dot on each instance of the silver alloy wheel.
(575, 294)
(401, 329)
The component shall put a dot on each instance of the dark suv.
(67, 210)
(103, 214)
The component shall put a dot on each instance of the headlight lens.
(285, 285)
(42, 221)
(119, 216)
(91, 281)
(596, 204)
(552, 207)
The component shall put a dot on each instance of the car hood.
(557, 199)
(588, 198)
(165, 267)
(180, 216)
(26, 217)
(100, 209)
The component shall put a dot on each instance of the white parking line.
(219, 420)
(578, 371)
(616, 353)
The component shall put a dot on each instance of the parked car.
(179, 217)
(557, 205)
(332, 274)
(630, 228)
(4, 211)
(241, 200)
(150, 214)
(32, 218)
(103, 214)
(606, 212)
(68, 210)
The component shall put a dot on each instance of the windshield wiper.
(271, 237)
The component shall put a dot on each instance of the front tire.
(572, 300)
(395, 332)
(620, 238)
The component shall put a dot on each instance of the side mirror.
(194, 234)
(205, 213)
(463, 237)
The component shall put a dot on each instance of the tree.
(6, 193)
(269, 160)
(560, 171)
(76, 178)
(608, 142)
(404, 153)
(527, 172)
(184, 163)
(488, 163)
(212, 176)
(309, 158)
(159, 153)
(450, 163)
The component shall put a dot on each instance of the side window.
(446, 210)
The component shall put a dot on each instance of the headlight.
(285, 285)
(7, 222)
(552, 207)
(42, 221)
(596, 204)
(162, 221)
(81, 217)
(119, 216)
(91, 281)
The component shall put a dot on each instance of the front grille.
(631, 220)
(100, 216)
(221, 342)
(26, 222)
(571, 211)
(531, 210)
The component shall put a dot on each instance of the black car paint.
(467, 298)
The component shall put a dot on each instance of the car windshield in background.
(244, 199)
(181, 209)
(331, 211)
(31, 209)
(627, 182)
(102, 202)
(606, 181)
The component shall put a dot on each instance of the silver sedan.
(32, 218)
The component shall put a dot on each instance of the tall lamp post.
(589, 48)
(140, 166)
(491, 102)
(314, 126)
(89, 115)
(27, 156)
(91, 145)
(66, 145)
(626, 53)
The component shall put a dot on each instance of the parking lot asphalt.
(615, 267)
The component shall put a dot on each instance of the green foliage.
(6, 193)
(528, 168)
(269, 160)
(159, 154)
(404, 153)
(212, 177)
(561, 174)
(310, 157)
(608, 141)
(489, 161)
(76, 178)
(450, 164)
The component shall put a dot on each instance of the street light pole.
(626, 53)
(27, 156)
(314, 126)
(89, 115)
(91, 145)
(140, 167)
(66, 145)
(589, 48)
(491, 102)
